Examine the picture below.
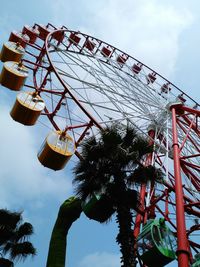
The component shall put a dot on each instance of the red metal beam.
(139, 217)
(192, 176)
(166, 217)
(188, 136)
(191, 110)
(194, 166)
(194, 126)
(194, 244)
(182, 248)
(190, 156)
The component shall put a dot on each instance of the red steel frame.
(182, 251)
(181, 117)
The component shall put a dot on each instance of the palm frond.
(11, 232)
(111, 136)
(6, 234)
(132, 199)
(142, 175)
(7, 247)
(24, 230)
(129, 136)
(89, 149)
(22, 250)
(88, 187)
(6, 263)
(9, 219)
(141, 146)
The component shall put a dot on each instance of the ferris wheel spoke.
(123, 84)
(101, 88)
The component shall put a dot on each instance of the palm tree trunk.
(69, 211)
(125, 238)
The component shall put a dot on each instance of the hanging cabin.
(74, 38)
(156, 244)
(12, 51)
(137, 68)
(27, 108)
(43, 31)
(19, 37)
(13, 75)
(98, 207)
(32, 33)
(56, 150)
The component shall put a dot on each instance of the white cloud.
(22, 177)
(149, 30)
(101, 259)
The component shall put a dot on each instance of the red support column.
(151, 214)
(182, 250)
(139, 217)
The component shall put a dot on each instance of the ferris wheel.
(75, 84)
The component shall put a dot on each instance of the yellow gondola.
(27, 108)
(56, 150)
(12, 51)
(13, 75)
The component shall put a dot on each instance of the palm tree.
(14, 238)
(111, 165)
(69, 211)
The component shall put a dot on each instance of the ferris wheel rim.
(97, 123)
(115, 48)
(63, 84)
(49, 58)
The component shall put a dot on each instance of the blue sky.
(162, 34)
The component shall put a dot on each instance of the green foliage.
(6, 263)
(115, 157)
(112, 164)
(13, 237)
(142, 175)
(9, 218)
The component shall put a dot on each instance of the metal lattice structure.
(87, 83)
